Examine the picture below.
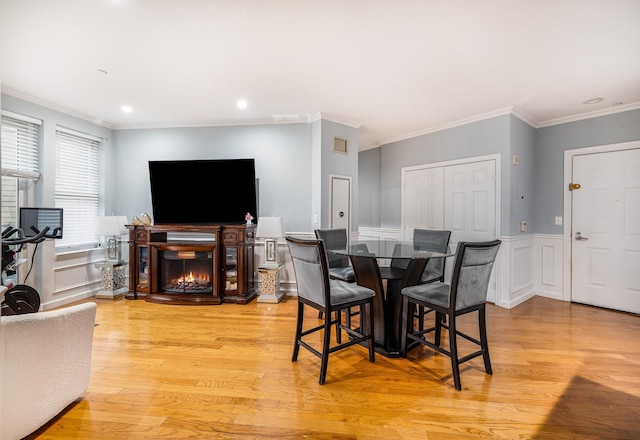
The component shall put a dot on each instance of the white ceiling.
(393, 68)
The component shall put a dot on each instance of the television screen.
(34, 220)
(202, 192)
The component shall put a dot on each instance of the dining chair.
(437, 241)
(317, 290)
(339, 268)
(336, 239)
(466, 293)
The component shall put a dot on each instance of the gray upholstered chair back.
(434, 241)
(471, 272)
(311, 270)
(334, 239)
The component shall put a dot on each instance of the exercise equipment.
(21, 298)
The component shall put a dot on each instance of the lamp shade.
(109, 225)
(270, 227)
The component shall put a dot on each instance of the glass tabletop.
(393, 249)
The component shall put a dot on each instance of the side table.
(270, 288)
(112, 280)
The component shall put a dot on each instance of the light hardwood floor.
(560, 371)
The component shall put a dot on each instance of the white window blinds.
(78, 186)
(20, 135)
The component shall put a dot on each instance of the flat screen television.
(34, 220)
(203, 192)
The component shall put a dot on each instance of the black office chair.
(436, 241)
(339, 268)
(466, 293)
(317, 290)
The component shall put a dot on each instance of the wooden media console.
(192, 264)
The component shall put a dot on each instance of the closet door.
(470, 206)
(422, 200)
(470, 201)
(460, 197)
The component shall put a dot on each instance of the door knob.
(579, 237)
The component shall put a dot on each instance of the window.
(78, 185)
(20, 169)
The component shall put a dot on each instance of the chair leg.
(325, 348)
(338, 322)
(484, 344)
(440, 318)
(320, 315)
(453, 349)
(372, 350)
(404, 328)
(296, 344)
(420, 318)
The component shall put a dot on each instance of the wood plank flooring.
(560, 371)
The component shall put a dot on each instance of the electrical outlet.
(523, 226)
(558, 221)
(515, 159)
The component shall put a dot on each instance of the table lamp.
(112, 227)
(270, 228)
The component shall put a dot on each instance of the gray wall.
(491, 136)
(520, 188)
(370, 187)
(551, 143)
(282, 155)
(339, 164)
(532, 191)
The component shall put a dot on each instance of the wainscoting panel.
(73, 277)
(548, 267)
(526, 266)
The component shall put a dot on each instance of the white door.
(422, 200)
(605, 231)
(459, 197)
(470, 207)
(470, 201)
(340, 203)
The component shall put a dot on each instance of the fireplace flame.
(192, 280)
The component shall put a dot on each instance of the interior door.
(470, 201)
(422, 200)
(341, 203)
(458, 197)
(605, 232)
(470, 207)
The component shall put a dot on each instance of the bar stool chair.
(436, 241)
(466, 293)
(317, 290)
(339, 267)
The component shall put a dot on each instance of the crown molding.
(52, 106)
(448, 125)
(337, 119)
(589, 115)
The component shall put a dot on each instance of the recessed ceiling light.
(242, 104)
(615, 104)
(593, 101)
(104, 72)
(126, 109)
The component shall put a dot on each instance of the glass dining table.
(386, 267)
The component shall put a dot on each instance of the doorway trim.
(332, 178)
(567, 292)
